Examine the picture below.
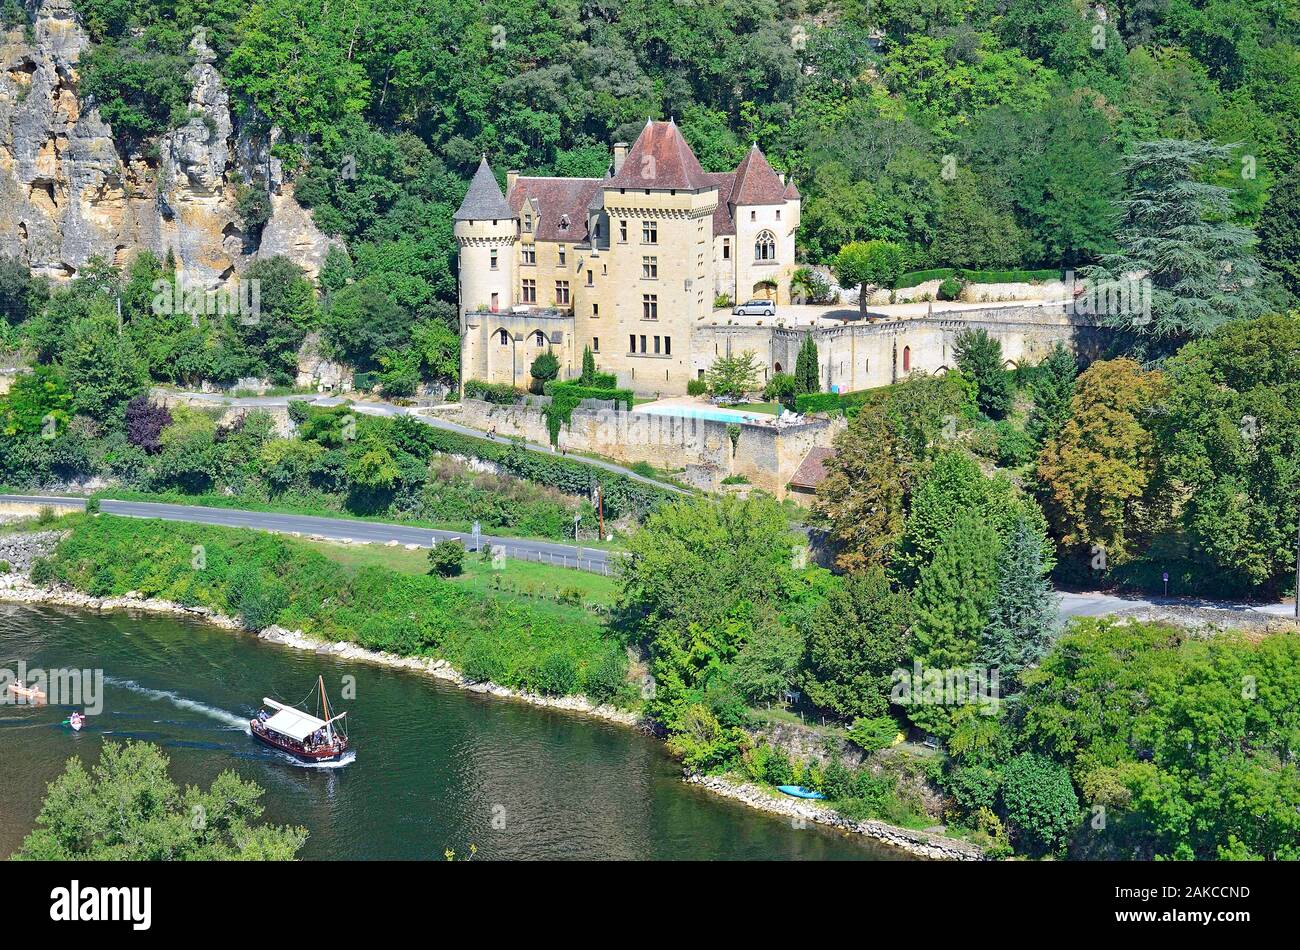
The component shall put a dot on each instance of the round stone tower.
(486, 231)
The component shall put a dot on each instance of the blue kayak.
(798, 791)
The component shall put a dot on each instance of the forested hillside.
(975, 133)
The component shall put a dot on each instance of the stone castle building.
(629, 265)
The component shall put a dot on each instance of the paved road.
(380, 408)
(1088, 604)
(596, 560)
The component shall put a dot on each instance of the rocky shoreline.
(17, 588)
(920, 844)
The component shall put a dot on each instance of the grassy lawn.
(771, 408)
(518, 577)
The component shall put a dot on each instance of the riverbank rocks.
(921, 844)
(18, 550)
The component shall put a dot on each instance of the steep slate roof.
(812, 470)
(674, 165)
(791, 192)
(756, 182)
(483, 201)
(556, 198)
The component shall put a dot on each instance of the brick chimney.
(620, 155)
(512, 176)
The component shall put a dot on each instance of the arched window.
(907, 359)
(539, 338)
(777, 367)
(765, 246)
(503, 337)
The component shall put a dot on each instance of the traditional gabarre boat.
(301, 734)
(31, 694)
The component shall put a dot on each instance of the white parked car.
(756, 308)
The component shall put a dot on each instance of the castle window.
(503, 337)
(494, 258)
(631, 343)
(496, 302)
(561, 253)
(907, 359)
(529, 294)
(753, 215)
(562, 293)
(649, 268)
(528, 222)
(595, 344)
(595, 310)
(642, 342)
(590, 278)
(726, 249)
(649, 306)
(622, 232)
(668, 346)
(539, 338)
(649, 232)
(765, 247)
(778, 214)
(529, 252)
(656, 346)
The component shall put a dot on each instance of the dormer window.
(528, 223)
(564, 222)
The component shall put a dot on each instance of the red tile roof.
(756, 182)
(723, 223)
(812, 470)
(660, 158)
(556, 199)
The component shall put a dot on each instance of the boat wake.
(229, 719)
(348, 758)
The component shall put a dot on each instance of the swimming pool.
(714, 413)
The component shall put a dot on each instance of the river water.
(435, 767)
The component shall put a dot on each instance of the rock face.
(19, 549)
(67, 194)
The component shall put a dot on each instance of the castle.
(629, 265)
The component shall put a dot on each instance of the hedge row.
(915, 278)
(502, 394)
(621, 495)
(807, 403)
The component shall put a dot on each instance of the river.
(435, 767)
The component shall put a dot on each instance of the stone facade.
(627, 265)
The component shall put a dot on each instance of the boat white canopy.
(294, 723)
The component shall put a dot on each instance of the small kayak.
(75, 721)
(798, 791)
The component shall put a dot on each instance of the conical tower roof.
(484, 200)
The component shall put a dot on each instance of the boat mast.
(325, 703)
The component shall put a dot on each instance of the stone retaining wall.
(19, 549)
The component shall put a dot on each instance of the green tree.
(861, 501)
(1052, 389)
(857, 637)
(286, 310)
(362, 320)
(1040, 803)
(782, 388)
(864, 264)
(1279, 230)
(1022, 619)
(733, 376)
(979, 356)
(36, 398)
(807, 367)
(103, 369)
(545, 368)
(1174, 230)
(1229, 442)
(127, 808)
(588, 367)
(1097, 476)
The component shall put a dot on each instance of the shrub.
(557, 675)
(950, 289)
(781, 388)
(1015, 448)
(42, 572)
(447, 558)
(606, 677)
(545, 368)
(1040, 803)
(777, 770)
(45, 515)
(696, 387)
(4, 567)
(501, 394)
(875, 733)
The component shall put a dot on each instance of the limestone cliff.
(67, 195)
